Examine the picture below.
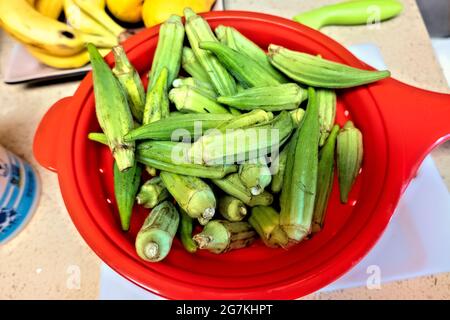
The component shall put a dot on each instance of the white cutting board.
(415, 243)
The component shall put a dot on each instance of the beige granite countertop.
(43, 260)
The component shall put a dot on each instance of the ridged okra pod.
(317, 72)
(300, 180)
(233, 186)
(157, 101)
(349, 158)
(131, 82)
(152, 193)
(242, 144)
(192, 194)
(286, 96)
(245, 120)
(169, 156)
(266, 222)
(325, 178)
(126, 185)
(154, 239)
(326, 101)
(255, 175)
(185, 231)
(207, 172)
(237, 41)
(194, 100)
(165, 128)
(192, 66)
(205, 87)
(220, 236)
(232, 208)
(198, 30)
(168, 51)
(278, 170)
(247, 71)
(113, 112)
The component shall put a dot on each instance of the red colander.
(400, 125)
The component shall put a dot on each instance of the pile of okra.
(239, 143)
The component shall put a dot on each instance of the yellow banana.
(76, 61)
(100, 16)
(49, 8)
(81, 21)
(31, 2)
(100, 41)
(99, 3)
(24, 23)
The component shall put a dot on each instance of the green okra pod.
(255, 175)
(192, 66)
(131, 82)
(266, 222)
(198, 30)
(154, 239)
(248, 119)
(152, 193)
(286, 96)
(349, 158)
(233, 186)
(325, 178)
(192, 194)
(326, 101)
(220, 236)
(314, 71)
(126, 185)
(113, 112)
(164, 129)
(194, 100)
(300, 180)
(247, 71)
(168, 51)
(209, 172)
(232, 208)
(237, 41)
(170, 156)
(157, 101)
(242, 144)
(185, 231)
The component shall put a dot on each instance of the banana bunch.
(57, 44)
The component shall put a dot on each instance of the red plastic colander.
(400, 125)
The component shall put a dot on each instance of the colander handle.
(416, 120)
(45, 145)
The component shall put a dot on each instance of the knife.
(356, 12)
